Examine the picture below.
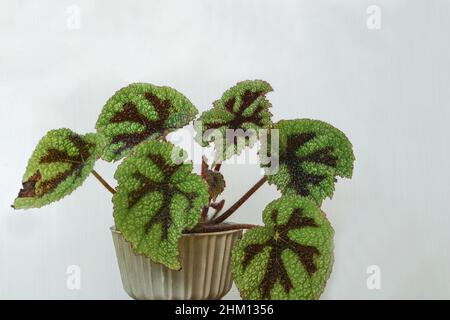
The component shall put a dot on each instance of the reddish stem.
(218, 206)
(205, 212)
(103, 181)
(217, 166)
(204, 165)
(203, 228)
(238, 203)
(203, 173)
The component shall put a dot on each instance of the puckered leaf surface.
(235, 119)
(291, 257)
(157, 198)
(141, 111)
(216, 183)
(311, 154)
(60, 163)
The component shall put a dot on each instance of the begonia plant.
(159, 197)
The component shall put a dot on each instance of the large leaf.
(157, 198)
(311, 155)
(291, 257)
(139, 112)
(60, 163)
(235, 120)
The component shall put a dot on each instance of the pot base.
(205, 273)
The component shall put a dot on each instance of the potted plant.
(171, 236)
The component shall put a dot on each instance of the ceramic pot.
(205, 273)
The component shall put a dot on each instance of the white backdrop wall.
(386, 88)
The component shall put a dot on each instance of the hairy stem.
(103, 181)
(238, 203)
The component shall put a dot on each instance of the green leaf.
(311, 154)
(291, 257)
(60, 163)
(236, 118)
(156, 199)
(139, 112)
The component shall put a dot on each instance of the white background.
(386, 89)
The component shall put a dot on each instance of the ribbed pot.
(205, 273)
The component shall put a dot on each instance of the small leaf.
(60, 163)
(141, 111)
(311, 155)
(236, 118)
(156, 200)
(215, 181)
(291, 257)
(218, 205)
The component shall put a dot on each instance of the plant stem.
(103, 181)
(205, 212)
(202, 228)
(238, 203)
(218, 206)
(217, 166)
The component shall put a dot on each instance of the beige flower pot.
(205, 273)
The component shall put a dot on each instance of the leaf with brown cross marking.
(291, 257)
(235, 119)
(60, 163)
(139, 112)
(311, 155)
(157, 198)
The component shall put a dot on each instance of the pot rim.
(196, 234)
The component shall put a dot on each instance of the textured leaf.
(242, 108)
(156, 200)
(215, 181)
(139, 112)
(60, 163)
(291, 257)
(311, 154)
